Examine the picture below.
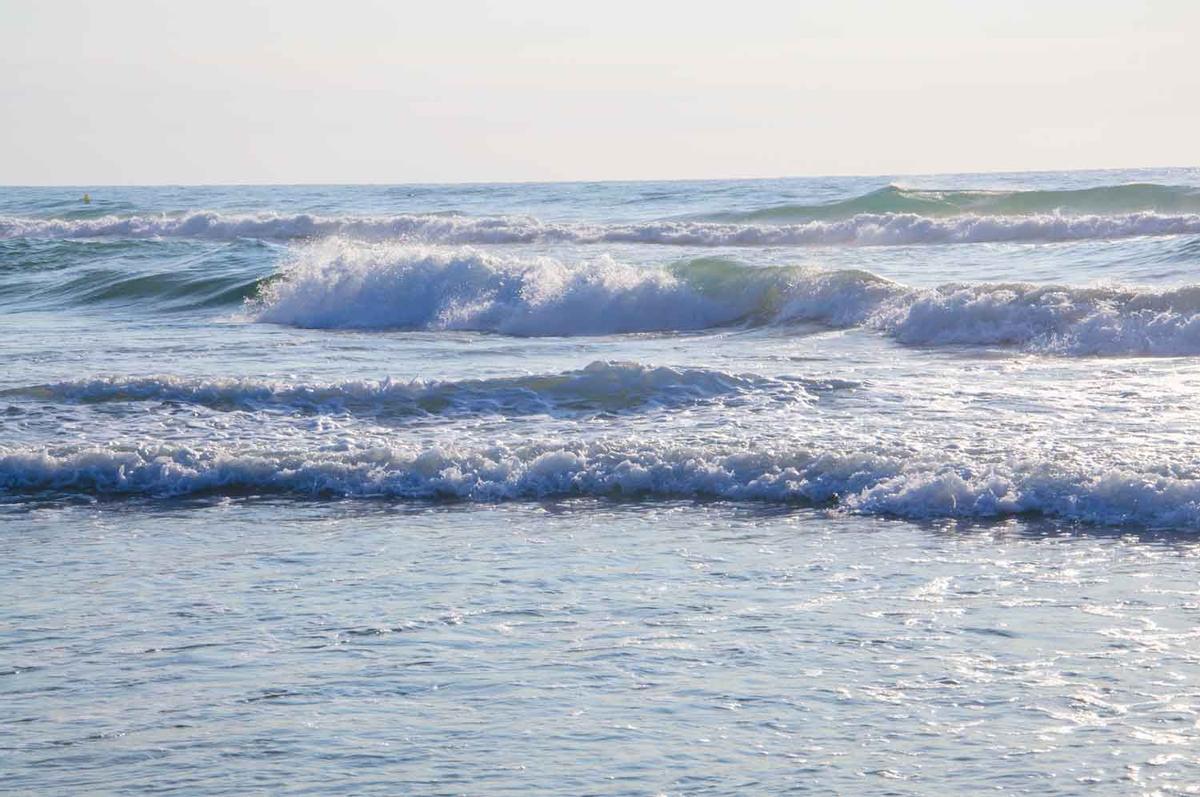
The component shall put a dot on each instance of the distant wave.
(862, 229)
(339, 284)
(861, 482)
(894, 199)
(600, 387)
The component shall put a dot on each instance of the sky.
(367, 91)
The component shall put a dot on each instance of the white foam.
(1055, 319)
(343, 284)
(866, 229)
(859, 482)
(340, 284)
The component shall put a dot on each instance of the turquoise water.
(873, 485)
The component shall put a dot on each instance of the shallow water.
(868, 485)
(585, 647)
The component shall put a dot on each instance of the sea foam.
(858, 482)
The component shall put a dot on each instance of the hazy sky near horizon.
(133, 91)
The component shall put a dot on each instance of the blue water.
(867, 485)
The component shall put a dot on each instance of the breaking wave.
(600, 387)
(860, 228)
(339, 285)
(860, 482)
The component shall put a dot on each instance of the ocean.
(871, 485)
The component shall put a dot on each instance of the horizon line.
(386, 183)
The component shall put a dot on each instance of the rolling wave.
(861, 229)
(894, 199)
(859, 482)
(599, 387)
(340, 284)
(163, 275)
(167, 291)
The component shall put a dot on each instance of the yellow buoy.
(87, 198)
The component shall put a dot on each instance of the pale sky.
(348, 91)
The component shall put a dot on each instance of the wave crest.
(1105, 199)
(863, 229)
(599, 387)
(339, 284)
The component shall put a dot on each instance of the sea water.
(815, 485)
